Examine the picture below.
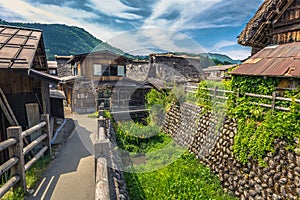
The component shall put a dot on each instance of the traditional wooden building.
(274, 35)
(24, 78)
(275, 22)
(175, 69)
(96, 73)
(52, 66)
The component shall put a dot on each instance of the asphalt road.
(70, 175)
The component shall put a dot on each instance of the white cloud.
(236, 54)
(188, 12)
(114, 8)
(222, 44)
(140, 41)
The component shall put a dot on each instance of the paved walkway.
(70, 176)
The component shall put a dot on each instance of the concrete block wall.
(210, 137)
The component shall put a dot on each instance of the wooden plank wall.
(13, 82)
(287, 29)
(102, 58)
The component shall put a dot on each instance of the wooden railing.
(102, 158)
(16, 164)
(215, 91)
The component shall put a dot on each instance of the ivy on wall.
(258, 127)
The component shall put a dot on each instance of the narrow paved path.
(70, 176)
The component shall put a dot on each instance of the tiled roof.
(19, 48)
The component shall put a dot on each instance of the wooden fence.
(16, 164)
(218, 94)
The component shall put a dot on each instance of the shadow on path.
(71, 174)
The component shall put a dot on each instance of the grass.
(33, 175)
(169, 172)
(138, 138)
(185, 178)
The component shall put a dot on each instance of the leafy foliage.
(258, 127)
(138, 138)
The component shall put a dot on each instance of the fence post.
(273, 100)
(101, 110)
(17, 151)
(215, 93)
(237, 96)
(46, 129)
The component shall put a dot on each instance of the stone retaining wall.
(210, 137)
(117, 180)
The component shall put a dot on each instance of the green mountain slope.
(222, 58)
(61, 39)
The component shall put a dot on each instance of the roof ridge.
(20, 28)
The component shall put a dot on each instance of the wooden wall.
(20, 89)
(287, 28)
(13, 82)
(104, 58)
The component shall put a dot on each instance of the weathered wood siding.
(104, 58)
(287, 28)
(13, 82)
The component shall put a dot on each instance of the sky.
(144, 26)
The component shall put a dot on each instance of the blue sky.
(136, 26)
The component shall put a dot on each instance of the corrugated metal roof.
(18, 46)
(278, 60)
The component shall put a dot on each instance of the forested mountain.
(61, 39)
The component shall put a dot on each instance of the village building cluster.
(30, 85)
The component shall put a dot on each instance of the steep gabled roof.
(21, 48)
(256, 30)
(276, 60)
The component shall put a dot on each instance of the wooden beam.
(10, 112)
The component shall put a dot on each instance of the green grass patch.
(139, 138)
(33, 175)
(185, 178)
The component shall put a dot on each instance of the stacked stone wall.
(210, 137)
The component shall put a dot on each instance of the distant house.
(63, 68)
(52, 66)
(24, 77)
(96, 73)
(217, 73)
(174, 68)
(274, 35)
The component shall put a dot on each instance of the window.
(121, 70)
(74, 70)
(98, 69)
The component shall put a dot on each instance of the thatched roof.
(256, 31)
